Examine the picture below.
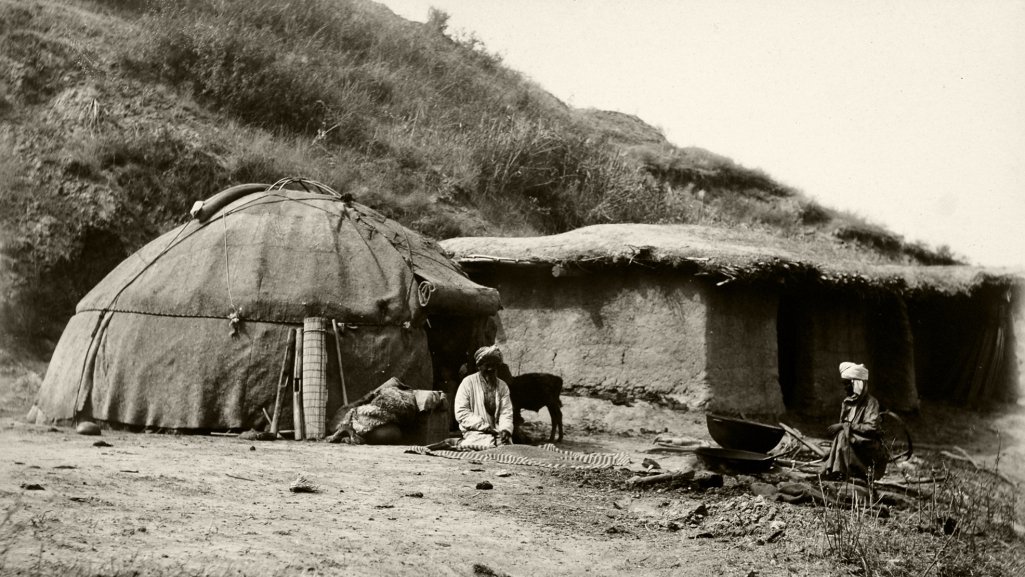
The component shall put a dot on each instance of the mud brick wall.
(609, 336)
(652, 336)
(742, 351)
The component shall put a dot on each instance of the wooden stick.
(899, 487)
(283, 379)
(925, 480)
(933, 446)
(793, 433)
(664, 449)
(341, 372)
(796, 463)
(964, 457)
(297, 389)
(638, 481)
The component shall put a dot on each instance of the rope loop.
(235, 318)
(424, 291)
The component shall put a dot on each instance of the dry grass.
(963, 523)
(116, 138)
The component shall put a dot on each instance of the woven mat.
(546, 455)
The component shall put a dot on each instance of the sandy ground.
(214, 505)
(220, 505)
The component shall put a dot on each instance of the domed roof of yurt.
(191, 331)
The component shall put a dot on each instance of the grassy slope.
(116, 115)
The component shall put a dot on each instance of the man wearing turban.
(483, 407)
(857, 448)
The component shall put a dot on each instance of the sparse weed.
(960, 524)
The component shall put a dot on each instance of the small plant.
(952, 528)
(846, 514)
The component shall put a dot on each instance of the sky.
(909, 114)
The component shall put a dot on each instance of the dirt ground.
(216, 505)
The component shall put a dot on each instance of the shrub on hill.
(108, 141)
(388, 90)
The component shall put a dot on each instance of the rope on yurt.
(89, 362)
(422, 297)
(164, 250)
(235, 318)
(406, 258)
(105, 315)
(424, 292)
(175, 241)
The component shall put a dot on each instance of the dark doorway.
(452, 340)
(964, 347)
(793, 347)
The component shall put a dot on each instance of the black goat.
(531, 391)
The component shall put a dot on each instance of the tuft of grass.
(561, 180)
(961, 524)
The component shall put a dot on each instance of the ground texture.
(218, 505)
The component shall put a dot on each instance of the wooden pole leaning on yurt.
(284, 380)
(315, 389)
(341, 371)
(297, 389)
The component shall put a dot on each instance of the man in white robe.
(483, 407)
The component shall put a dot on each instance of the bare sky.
(910, 114)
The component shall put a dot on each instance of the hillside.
(116, 115)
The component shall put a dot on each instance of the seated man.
(857, 447)
(483, 407)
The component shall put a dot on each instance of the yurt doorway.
(452, 340)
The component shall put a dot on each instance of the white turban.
(855, 371)
(485, 355)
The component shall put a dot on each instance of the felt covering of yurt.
(190, 331)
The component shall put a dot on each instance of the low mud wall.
(609, 337)
(658, 337)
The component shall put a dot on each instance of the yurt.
(191, 331)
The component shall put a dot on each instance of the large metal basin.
(743, 435)
(732, 460)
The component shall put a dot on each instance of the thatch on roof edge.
(724, 256)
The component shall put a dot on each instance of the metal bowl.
(743, 435)
(732, 460)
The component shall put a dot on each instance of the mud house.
(188, 332)
(738, 322)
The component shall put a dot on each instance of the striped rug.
(546, 455)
